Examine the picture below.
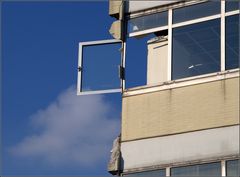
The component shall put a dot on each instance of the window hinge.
(121, 71)
(79, 69)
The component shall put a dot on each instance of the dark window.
(196, 11)
(196, 49)
(210, 169)
(233, 168)
(232, 42)
(232, 5)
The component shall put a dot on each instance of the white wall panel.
(157, 62)
(197, 145)
(141, 5)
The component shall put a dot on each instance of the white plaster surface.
(182, 147)
(141, 5)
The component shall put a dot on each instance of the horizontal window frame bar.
(108, 41)
(99, 92)
(200, 79)
(235, 12)
(147, 31)
(198, 20)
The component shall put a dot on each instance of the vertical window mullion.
(223, 167)
(123, 63)
(169, 74)
(222, 36)
(79, 78)
(168, 173)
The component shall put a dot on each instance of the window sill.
(182, 82)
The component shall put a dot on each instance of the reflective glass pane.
(149, 173)
(100, 67)
(232, 42)
(210, 169)
(232, 5)
(196, 11)
(187, 171)
(196, 49)
(233, 168)
(148, 22)
(136, 61)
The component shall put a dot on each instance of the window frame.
(151, 30)
(168, 167)
(197, 164)
(80, 66)
(222, 16)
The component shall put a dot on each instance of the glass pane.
(210, 169)
(136, 62)
(232, 42)
(187, 171)
(196, 49)
(196, 11)
(100, 67)
(148, 22)
(232, 5)
(149, 173)
(233, 168)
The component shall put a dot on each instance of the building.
(185, 119)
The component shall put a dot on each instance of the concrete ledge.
(181, 148)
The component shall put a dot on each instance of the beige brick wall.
(190, 108)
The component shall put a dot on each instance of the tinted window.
(232, 42)
(196, 49)
(232, 5)
(148, 22)
(196, 11)
(211, 169)
(233, 168)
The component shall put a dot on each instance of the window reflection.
(196, 11)
(232, 42)
(232, 5)
(196, 49)
(148, 22)
(210, 169)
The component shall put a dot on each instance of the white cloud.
(73, 129)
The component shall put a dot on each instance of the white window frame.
(222, 16)
(195, 164)
(167, 167)
(80, 65)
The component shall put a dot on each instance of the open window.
(98, 67)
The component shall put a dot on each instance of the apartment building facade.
(184, 121)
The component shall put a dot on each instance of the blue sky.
(46, 128)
